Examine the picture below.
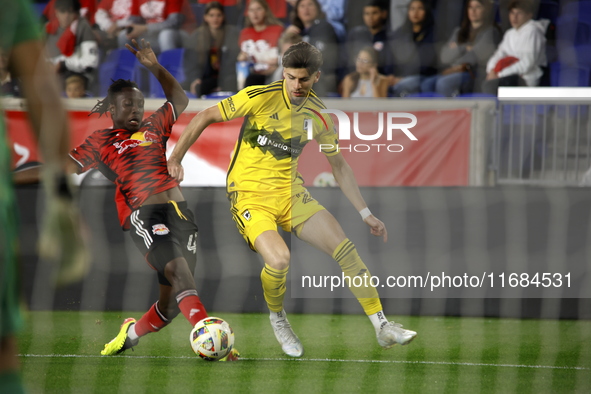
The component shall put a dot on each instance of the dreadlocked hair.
(102, 106)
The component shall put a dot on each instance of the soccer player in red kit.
(133, 155)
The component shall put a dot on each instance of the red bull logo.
(137, 139)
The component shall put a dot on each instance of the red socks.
(151, 321)
(191, 306)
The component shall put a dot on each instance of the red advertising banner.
(438, 157)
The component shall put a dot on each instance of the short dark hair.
(214, 5)
(302, 55)
(381, 4)
(116, 87)
(67, 6)
(525, 5)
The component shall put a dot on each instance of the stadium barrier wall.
(451, 149)
(501, 229)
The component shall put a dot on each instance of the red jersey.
(117, 9)
(156, 11)
(134, 161)
(260, 45)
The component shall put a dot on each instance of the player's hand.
(377, 227)
(143, 52)
(63, 240)
(175, 169)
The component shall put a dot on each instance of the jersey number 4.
(192, 244)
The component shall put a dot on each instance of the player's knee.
(279, 260)
(178, 274)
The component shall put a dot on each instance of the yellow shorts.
(255, 213)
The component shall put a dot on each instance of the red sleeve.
(162, 120)
(243, 36)
(90, 5)
(274, 34)
(172, 7)
(135, 8)
(190, 22)
(87, 153)
(48, 11)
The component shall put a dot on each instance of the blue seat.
(583, 54)
(119, 64)
(172, 60)
(579, 8)
(569, 75)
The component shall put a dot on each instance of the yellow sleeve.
(238, 105)
(326, 136)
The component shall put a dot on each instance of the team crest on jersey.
(160, 229)
(246, 214)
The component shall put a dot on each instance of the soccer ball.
(212, 338)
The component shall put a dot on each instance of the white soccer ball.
(212, 338)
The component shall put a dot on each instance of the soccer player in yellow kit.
(265, 189)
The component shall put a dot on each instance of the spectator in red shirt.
(165, 23)
(111, 17)
(258, 42)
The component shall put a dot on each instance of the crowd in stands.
(371, 48)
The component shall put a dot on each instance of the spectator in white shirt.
(519, 59)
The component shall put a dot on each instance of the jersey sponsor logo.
(160, 229)
(262, 140)
(137, 139)
(274, 116)
(231, 104)
(274, 143)
(246, 214)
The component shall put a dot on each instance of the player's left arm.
(172, 88)
(345, 177)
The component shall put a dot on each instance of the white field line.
(317, 360)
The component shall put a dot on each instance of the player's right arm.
(188, 138)
(236, 106)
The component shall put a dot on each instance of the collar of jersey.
(288, 103)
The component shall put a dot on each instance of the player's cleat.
(234, 355)
(392, 333)
(121, 342)
(290, 343)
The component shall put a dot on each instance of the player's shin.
(346, 255)
(191, 306)
(152, 321)
(273, 281)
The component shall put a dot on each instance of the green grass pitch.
(60, 353)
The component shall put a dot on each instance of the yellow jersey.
(272, 137)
